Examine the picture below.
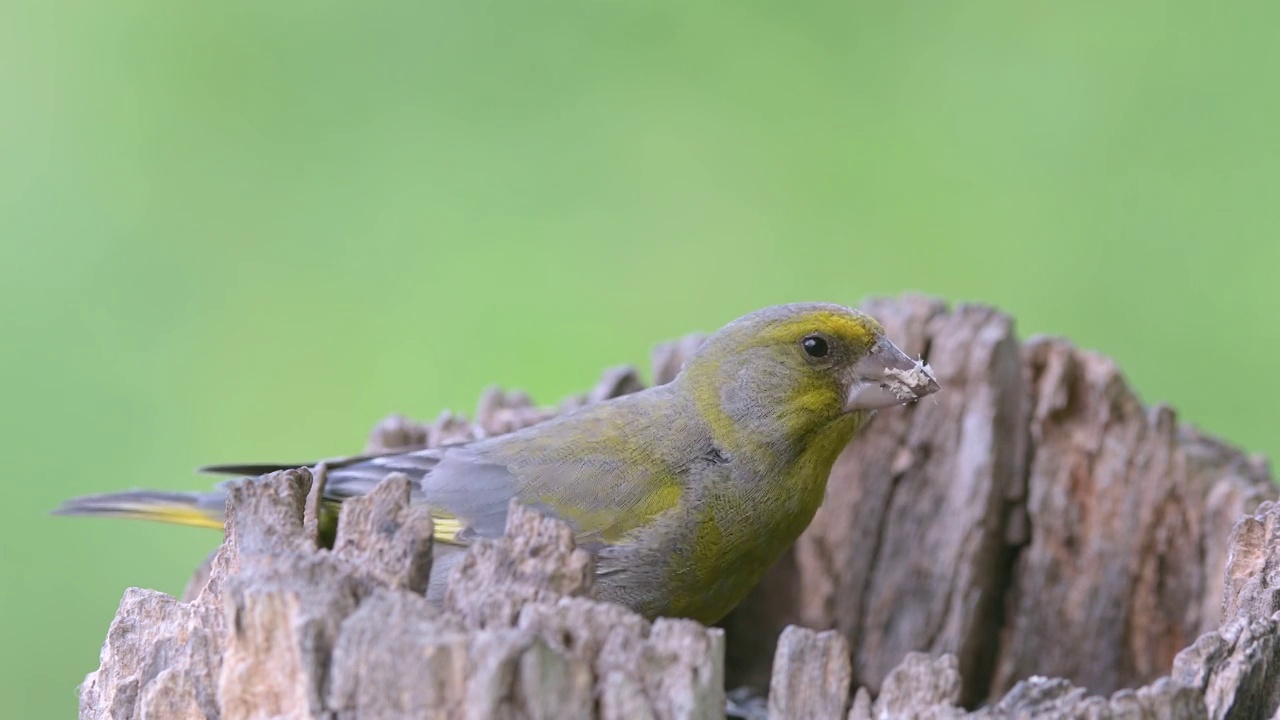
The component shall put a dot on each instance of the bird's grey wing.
(603, 497)
(468, 496)
(462, 495)
(604, 469)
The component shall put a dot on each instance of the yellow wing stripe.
(447, 528)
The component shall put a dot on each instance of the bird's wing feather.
(599, 468)
(592, 468)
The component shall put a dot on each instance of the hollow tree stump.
(1034, 543)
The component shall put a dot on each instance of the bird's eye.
(814, 346)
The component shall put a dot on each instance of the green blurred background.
(249, 230)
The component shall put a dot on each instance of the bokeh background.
(248, 230)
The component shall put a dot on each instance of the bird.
(684, 493)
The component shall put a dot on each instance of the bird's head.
(784, 373)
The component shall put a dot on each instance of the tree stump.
(1034, 543)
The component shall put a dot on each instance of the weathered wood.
(1113, 581)
(535, 561)
(811, 675)
(1237, 666)
(397, 656)
(1030, 543)
(920, 687)
(1232, 672)
(386, 536)
(158, 652)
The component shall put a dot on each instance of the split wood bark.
(1036, 521)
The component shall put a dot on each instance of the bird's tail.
(195, 509)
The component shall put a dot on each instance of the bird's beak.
(887, 377)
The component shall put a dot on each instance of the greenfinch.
(684, 493)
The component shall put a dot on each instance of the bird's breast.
(730, 528)
(730, 540)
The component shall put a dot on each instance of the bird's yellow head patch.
(853, 330)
